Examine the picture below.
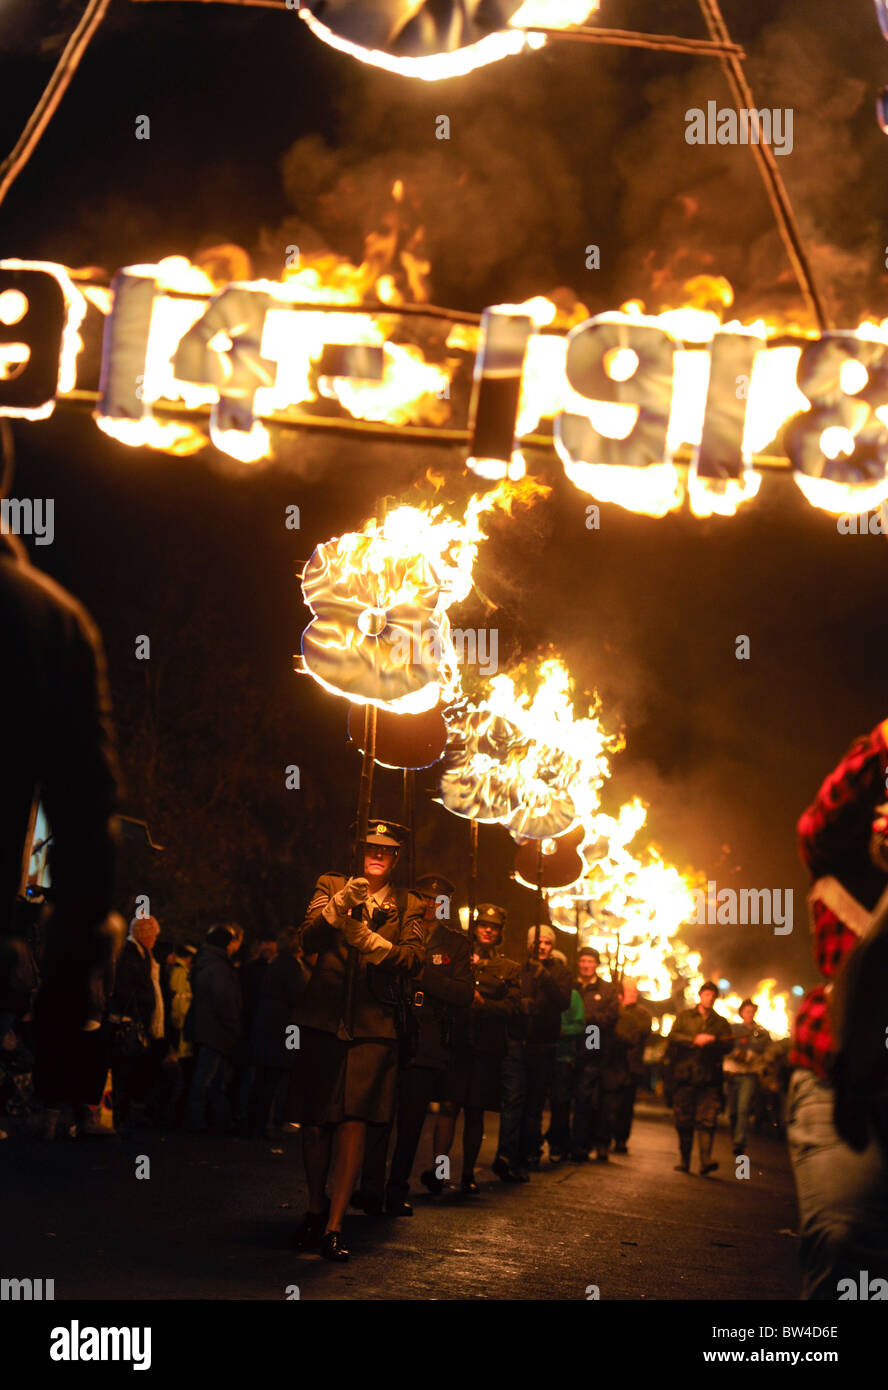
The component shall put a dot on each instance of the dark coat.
(283, 985)
(698, 1066)
(498, 981)
(601, 1005)
(55, 714)
(346, 994)
(633, 1028)
(216, 1016)
(544, 997)
(448, 987)
(133, 995)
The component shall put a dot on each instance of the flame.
(526, 760)
(504, 43)
(630, 905)
(392, 582)
(772, 1010)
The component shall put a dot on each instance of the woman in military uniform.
(474, 1076)
(368, 940)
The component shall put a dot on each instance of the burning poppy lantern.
(431, 39)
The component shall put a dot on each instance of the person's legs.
(625, 1105)
(708, 1099)
(561, 1094)
(473, 1133)
(540, 1062)
(842, 1195)
(417, 1085)
(684, 1110)
(205, 1065)
(513, 1096)
(317, 1144)
(606, 1117)
(218, 1103)
(585, 1109)
(349, 1155)
(745, 1091)
(372, 1185)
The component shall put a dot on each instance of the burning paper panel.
(431, 39)
(525, 761)
(41, 311)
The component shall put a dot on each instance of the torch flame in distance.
(504, 43)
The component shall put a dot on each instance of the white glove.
(368, 942)
(355, 892)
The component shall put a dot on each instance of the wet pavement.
(216, 1217)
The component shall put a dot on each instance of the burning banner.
(623, 395)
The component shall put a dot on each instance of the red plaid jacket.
(834, 837)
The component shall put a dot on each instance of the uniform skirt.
(333, 1080)
(474, 1078)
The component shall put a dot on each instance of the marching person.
(446, 987)
(368, 940)
(474, 1080)
(530, 1059)
(699, 1040)
(136, 1012)
(593, 1111)
(215, 1026)
(562, 1092)
(743, 1066)
(631, 1034)
(840, 1172)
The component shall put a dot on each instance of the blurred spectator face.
(630, 993)
(588, 968)
(545, 948)
(146, 931)
(707, 998)
(748, 1014)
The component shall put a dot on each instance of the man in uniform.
(593, 1111)
(368, 940)
(627, 1068)
(445, 987)
(699, 1040)
(530, 1061)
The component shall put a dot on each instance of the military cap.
(435, 886)
(489, 915)
(384, 832)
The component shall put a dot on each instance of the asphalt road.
(216, 1216)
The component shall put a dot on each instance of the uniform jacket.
(346, 995)
(601, 1005)
(627, 1048)
(698, 1066)
(55, 714)
(448, 987)
(133, 995)
(283, 985)
(498, 980)
(216, 1009)
(543, 1000)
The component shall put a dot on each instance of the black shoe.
(708, 1168)
(370, 1203)
(620, 1149)
(602, 1156)
(533, 1162)
(555, 1156)
(311, 1228)
(469, 1186)
(332, 1247)
(397, 1206)
(682, 1168)
(505, 1173)
(434, 1184)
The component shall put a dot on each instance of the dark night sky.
(261, 136)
